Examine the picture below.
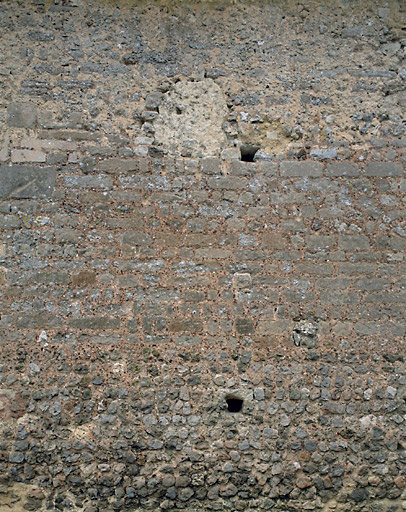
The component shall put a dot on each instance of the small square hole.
(248, 152)
(234, 404)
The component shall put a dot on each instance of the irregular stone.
(305, 333)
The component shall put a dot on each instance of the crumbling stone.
(305, 333)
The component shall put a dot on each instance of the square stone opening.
(234, 404)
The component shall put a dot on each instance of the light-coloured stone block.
(4, 151)
(20, 156)
(48, 144)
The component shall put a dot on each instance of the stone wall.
(181, 329)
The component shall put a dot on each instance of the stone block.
(186, 325)
(324, 154)
(242, 281)
(84, 278)
(57, 158)
(333, 283)
(67, 236)
(95, 323)
(239, 168)
(22, 115)
(319, 242)
(10, 222)
(128, 281)
(337, 169)
(48, 144)
(371, 283)
(268, 168)
(211, 166)
(301, 169)
(37, 321)
(353, 242)
(244, 326)
(274, 327)
(25, 182)
(273, 240)
(136, 238)
(213, 253)
(384, 169)
(4, 149)
(338, 297)
(319, 269)
(230, 154)
(69, 135)
(356, 268)
(117, 165)
(194, 296)
(3, 276)
(298, 295)
(89, 181)
(228, 183)
(55, 277)
(27, 155)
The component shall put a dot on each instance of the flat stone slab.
(22, 115)
(26, 181)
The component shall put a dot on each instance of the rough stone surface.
(22, 115)
(22, 181)
(202, 256)
(191, 118)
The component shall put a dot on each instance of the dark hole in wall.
(248, 152)
(234, 404)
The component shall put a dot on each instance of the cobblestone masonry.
(148, 276)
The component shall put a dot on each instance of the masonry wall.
(148, 274)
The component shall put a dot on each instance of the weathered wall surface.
(147, 274)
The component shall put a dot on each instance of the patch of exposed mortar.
(190, 120)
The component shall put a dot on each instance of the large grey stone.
(25, 181)
(384, 169)
(22, 115)
(300, 169)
